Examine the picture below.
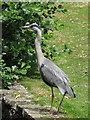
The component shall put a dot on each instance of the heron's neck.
(39, 53)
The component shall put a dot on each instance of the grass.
(74, 34)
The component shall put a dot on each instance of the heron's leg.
(52, 100)
(61, 103)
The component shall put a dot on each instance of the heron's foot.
(50, 112)
(55, 113)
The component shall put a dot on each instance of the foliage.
(6, 74)
(9, 74)
(66, 49)
(18, 45)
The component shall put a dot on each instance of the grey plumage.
(55, 77)
(51, 74)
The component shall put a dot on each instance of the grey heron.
(51, 74)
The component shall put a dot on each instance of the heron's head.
(33, 26)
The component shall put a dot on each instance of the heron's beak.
(25, 27)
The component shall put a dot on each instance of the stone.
(17, 103)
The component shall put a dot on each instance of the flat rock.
(17, 103)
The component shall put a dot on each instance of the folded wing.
(55, 77)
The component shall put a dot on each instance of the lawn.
(72, 32)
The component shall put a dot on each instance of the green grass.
(74, 34)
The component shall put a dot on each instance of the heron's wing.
(54, 76)
(57, 71)
(49, 76)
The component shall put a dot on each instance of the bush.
(18, 45)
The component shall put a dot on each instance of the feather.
(55, 77)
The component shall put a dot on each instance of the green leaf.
(15, 77)
(23, 64)
(28, 66)
(8, 69)
(23, 72)
(8, 83)
(14, 68)
(64, 11)
(59, 6)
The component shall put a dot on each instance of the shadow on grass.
(34, 73)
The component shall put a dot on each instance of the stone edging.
(16, 103)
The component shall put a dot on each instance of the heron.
(51, 74)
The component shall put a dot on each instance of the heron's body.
(51, 74)
(55, 77)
